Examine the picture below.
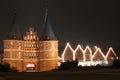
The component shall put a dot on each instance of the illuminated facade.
(86, 57)
(31, 53)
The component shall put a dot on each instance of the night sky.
(85, 22)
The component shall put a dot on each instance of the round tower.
(13, 54)
(48, 58)
(13, 47)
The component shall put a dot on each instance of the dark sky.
(87, 22)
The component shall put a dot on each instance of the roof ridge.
(47, 33)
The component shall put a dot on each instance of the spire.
(14, 33)
(47, 33)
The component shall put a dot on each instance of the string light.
(75, 52)
(64, 52)
(109, 51)
(87, 50)
(98, 50)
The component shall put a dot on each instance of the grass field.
(108, 74)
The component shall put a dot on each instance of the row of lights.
(87, 49)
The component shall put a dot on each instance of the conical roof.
(14, 33)
(47, 33)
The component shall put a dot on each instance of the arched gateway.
(30, 67)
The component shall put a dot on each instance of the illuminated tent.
(79, 53)
(111, 56)
(88, 54)
(67, 54)
(98, 55)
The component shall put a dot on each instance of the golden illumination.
(67, 46)
(96, 47)
(81, 50)
(98, 50)
(21, 54)
(110, 49)
(11, 43)
(87, 58)
(30, 50)
(88, 48)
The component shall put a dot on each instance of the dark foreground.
(101, 74)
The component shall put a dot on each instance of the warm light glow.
(79, 48)
(59, 63)
(25, 54)
(30, 37)
(25, 38)
(110, 50)
(34, 37)
(53, 46)
(32, 45)
(94, 59)
(30, 32)
(96, 47)
(67, 46)
(88, 48)
(59, 58)
(11, 43)
(98, 50)
(30, 65)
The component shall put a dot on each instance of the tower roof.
(14, 33)
(47, 33)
